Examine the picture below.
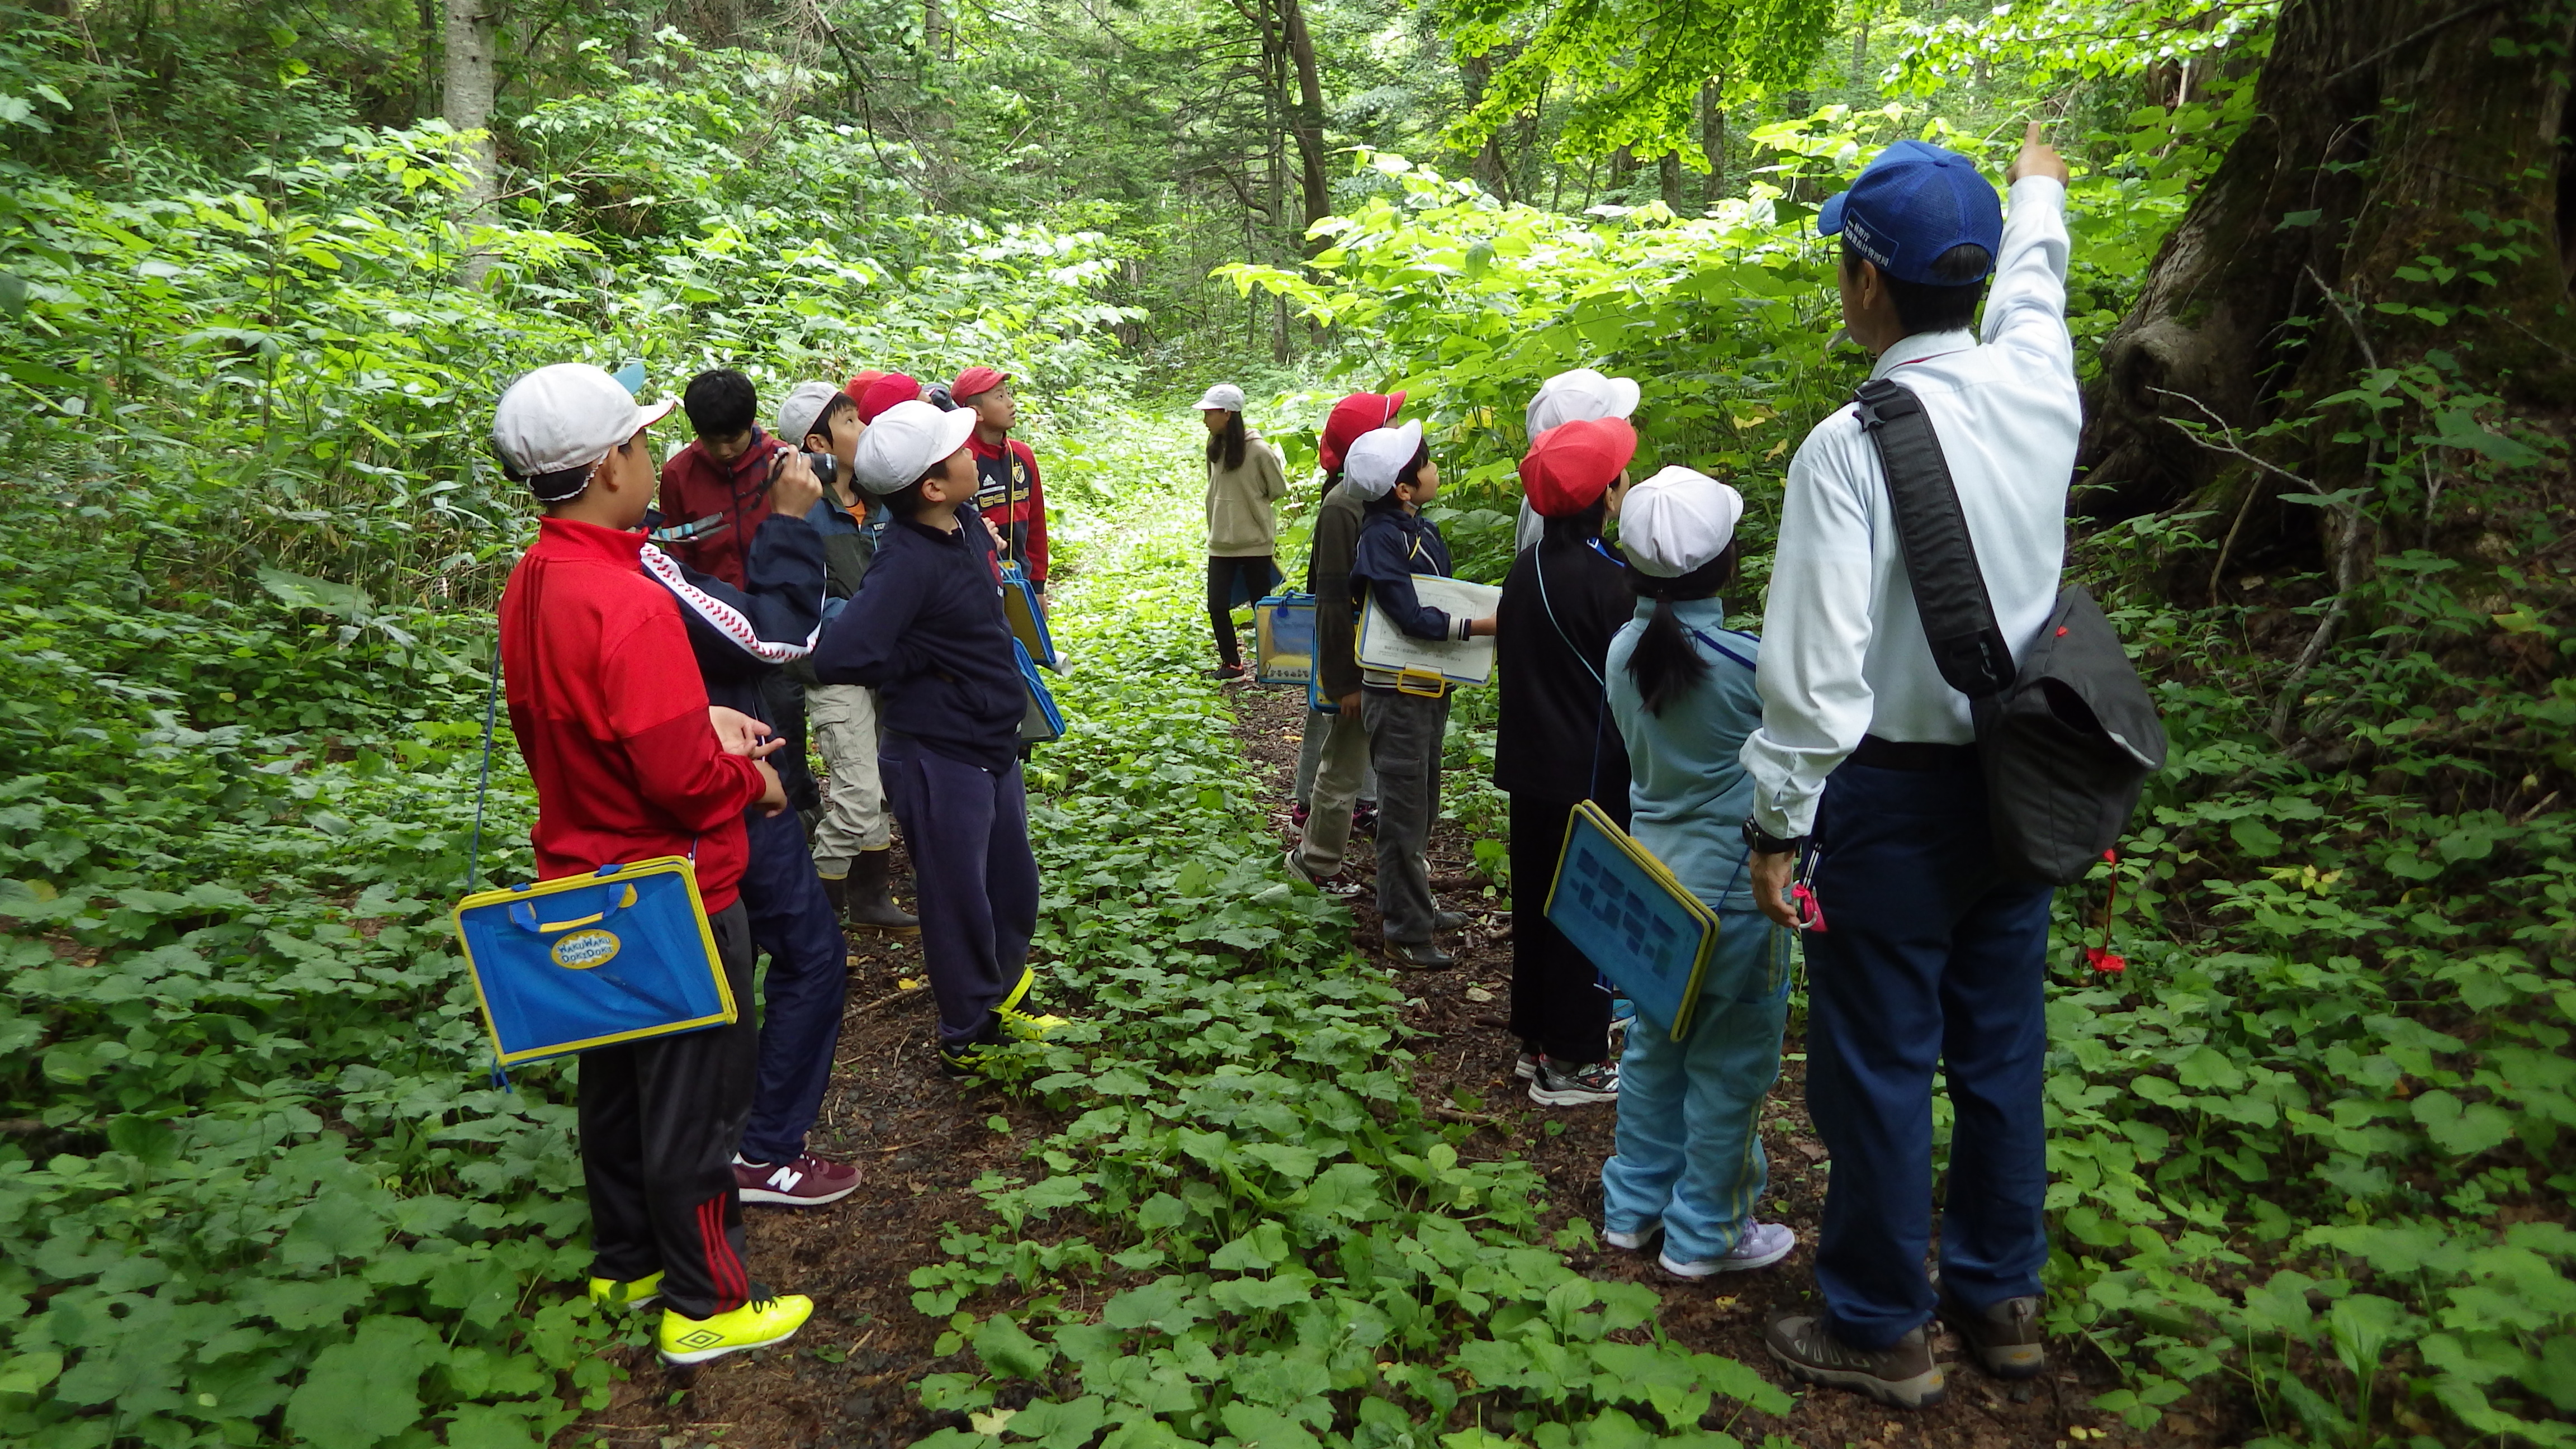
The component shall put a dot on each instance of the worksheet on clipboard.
(1383, 646)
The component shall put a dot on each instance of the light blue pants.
(1690, 1111)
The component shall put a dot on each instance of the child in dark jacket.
(929, 636)
(1393, 470)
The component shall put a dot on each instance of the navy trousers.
(1930, 956)
(974, 880)
(807, 986)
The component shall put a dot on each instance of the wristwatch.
(1762, 842)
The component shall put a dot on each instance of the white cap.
(567, 415)
(1579, 395)
(803, 405)
(1676, 521)
(1224, 395)
(906, 441)
(1370, 464)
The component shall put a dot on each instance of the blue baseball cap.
(1913, 203)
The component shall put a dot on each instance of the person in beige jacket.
(1245, 484)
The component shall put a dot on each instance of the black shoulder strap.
(1940, 558)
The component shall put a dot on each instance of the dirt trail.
(923, 1140)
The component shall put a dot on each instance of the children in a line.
(1245, 482)
(1933, 954)
(1334, 775)
(1554, 744)
(929, 635)
(607, 706)
(1681, 690)
(1392, 468)
(853, 838)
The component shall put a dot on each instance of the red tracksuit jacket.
(612, 717)
(1013, 500)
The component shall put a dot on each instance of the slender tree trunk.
(1668, 179)
(1309, 120)
(1860, 43)
(934, 30)
(2387, 132)
(468, 107)
(1474, 73)
(1712, 139)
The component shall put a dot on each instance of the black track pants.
(1255, 572)
(659, 1121)
(1558, 1004)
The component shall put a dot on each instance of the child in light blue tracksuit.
(1681, 690)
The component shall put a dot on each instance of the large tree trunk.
(2408, 161)
(1307, 121)
(468, 107)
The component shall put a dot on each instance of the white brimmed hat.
(1578, 396)
(906, 441)
(1376, 457)
(804, 404)
(568, 415)
(1224, 395)
(1677, 520)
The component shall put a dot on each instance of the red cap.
(1361, 412)
(884, 393)
(974, 380)
(1572, 465)
(856, 388)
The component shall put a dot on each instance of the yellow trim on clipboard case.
(1663, 877)
(679, 865)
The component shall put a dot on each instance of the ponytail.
(1664, 665)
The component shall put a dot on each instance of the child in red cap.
(1012, 499)
(1563, 602)
(1333, 768)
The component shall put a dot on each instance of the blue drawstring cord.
(482, 793)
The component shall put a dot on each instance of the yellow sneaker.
(1026, 1025)
(768, 1318)
(632, 1293)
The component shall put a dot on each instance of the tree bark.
(2387, 132)
(468, 107)
(1307, 121)
(1712, 138)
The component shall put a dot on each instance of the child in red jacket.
(631, 763)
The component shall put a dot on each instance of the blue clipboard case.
(618, 955)
(1631, 919)
(1028, 616)
(1043, 721)
(1283, 638)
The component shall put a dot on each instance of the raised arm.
(2026, 310)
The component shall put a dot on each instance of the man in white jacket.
(1866, 769)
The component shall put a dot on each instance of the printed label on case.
(582, 950)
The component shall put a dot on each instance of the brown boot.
(871, 900)
(1903, 1374)
(2004, 1338)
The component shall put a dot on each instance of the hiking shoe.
(1448, 920)
(1762, 1245)
(1364, 820)
(809, 1181)
(1418, 956)
(2004, 1339)
(626, 1293)
(1632, 1242)
(1018, 1020)
(768, 1318)
(1902, 1374)
(1295, 860)
(1573, 1084)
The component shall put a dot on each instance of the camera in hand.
(826, 467)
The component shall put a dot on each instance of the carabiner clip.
(1802, 894)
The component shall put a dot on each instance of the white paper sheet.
(1384, 646)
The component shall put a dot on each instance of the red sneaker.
(809, 1181)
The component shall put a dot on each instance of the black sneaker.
(1364, 820)
(2004, 1339)
(1903, 1374)
(1418, 956)
(1448, 920)
(1573, 1084)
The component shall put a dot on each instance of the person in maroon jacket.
(630, 763)
(1010, 497)
(715, 491)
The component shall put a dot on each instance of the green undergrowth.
(1251, 1231)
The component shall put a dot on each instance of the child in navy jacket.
(929, 636)
(1391, 468)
